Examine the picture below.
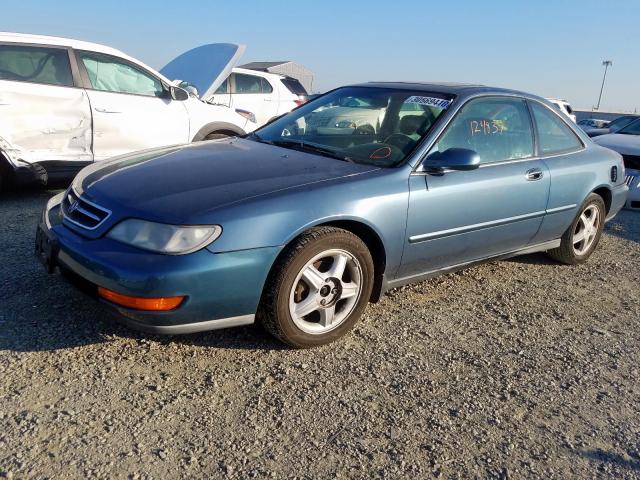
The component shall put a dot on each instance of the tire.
(572, 250)
(4, 174)
(216, 136)
(307, 313)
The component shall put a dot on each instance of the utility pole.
(606, 64)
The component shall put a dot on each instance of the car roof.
(71, 43)
(63, 42)
(257, 73)
(459, 89)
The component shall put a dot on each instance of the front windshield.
(631, 129)
(621, 122)
(369, 125)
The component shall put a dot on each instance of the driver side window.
(108, 74)
(496, 128)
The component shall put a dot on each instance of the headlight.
(162, 238)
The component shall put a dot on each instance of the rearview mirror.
(451, 159)
(178, 93)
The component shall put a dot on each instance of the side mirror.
(178, 93)
(451, 159)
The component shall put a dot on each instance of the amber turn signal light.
(158, 304)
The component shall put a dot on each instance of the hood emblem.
(73, 207)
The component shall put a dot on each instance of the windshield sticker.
(486, 127)
(429, 101)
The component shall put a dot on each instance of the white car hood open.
(621, 143)
(205, 67)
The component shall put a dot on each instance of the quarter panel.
(573, 177)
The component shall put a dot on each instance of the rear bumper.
(618, 199)
(633, 198)
(221, 290)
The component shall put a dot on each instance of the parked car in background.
(564, 107)
(613, 127)
(593, 123)
(66, 103)
(266, 95)
(627, 143)
(302, 227)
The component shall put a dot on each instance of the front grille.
(629, 180)
(82, 212)
(631, 162)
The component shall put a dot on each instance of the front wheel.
(216, 136)
(319, 288)
(581, 238)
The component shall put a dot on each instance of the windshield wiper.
(299, 145)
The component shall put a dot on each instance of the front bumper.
(221, 289)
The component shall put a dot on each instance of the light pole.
(606, 64)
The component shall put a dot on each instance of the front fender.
(378, 200)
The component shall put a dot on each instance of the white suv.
(66, 103)
(265, 94)
(564, 107)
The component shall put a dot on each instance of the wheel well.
(605, 193)
(375, 246)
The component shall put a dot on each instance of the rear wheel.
(582, 237)
(319, 288)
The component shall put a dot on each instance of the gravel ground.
(514, 369)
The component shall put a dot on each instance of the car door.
(131, 108)
(457, 217)
(254, 94)
(44, 115)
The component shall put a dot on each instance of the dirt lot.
(515, 369)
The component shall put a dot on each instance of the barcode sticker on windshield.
(429, 101)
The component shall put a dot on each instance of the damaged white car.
(66, 103)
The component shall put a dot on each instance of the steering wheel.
(401, 141)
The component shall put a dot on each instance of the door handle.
(104, 110)
(534, 174)
(266, 99)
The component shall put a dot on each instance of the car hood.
(205, 67)
(181, 185)
(621, 143)
(596, 132)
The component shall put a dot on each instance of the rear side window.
(554, 136)
(265, 85)
(247, 84)
(294, 86)
(35, 64)
(109, 74)
(497, 129)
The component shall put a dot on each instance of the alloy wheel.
(586, 230)
(326, 291)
